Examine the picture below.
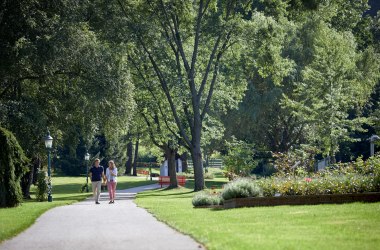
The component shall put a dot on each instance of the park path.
(85, 225)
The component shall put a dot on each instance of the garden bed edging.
(302, 200)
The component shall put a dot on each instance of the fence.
(212, 163)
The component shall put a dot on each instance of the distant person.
(111, 175)
(97, 174)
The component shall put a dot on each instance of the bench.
(165, 180)
(143, 172)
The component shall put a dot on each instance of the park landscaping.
(66, 190)
(339, 183)
(353, 226)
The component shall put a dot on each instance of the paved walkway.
(85, 225)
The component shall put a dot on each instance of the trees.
(58, 73)
(324, 89)
(300, 47)
(186, 44)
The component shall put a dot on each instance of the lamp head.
(48, 141)
(87, 156)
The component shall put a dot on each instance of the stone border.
(302, 200)
(210, 206)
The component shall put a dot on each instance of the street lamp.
(49, 144)
(372, 140)
(87, 158)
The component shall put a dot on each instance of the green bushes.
(12, 166)
(41, 192)
(241, 188)
(343, 184)
(354, 177)
(239, 161)
(205, 198)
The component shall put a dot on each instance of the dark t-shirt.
(96, 173)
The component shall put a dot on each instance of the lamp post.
(372, 140)
(49, 144)
(87, 158)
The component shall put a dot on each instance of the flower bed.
(341, 183)
(302, 200)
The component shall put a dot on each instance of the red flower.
(308, 179)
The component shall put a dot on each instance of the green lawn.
(347, 226)
(65, 191)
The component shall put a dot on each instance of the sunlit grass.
(345, 226)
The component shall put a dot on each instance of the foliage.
(42, 187)
(354, 177)
(230, 175)
(83, 188)
(57, 72)
(303, 68)
(189, 53)
(72, 166)
(239, 159)
(330, 184)
(12, 166)
(205, 198)
(297, 160)
(240, 188)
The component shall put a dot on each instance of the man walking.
(97, 174)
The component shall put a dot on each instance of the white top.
(111, 175)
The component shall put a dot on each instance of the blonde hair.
(113, 163)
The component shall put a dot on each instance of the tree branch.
(215, 74)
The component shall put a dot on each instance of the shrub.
(241, 188)
(328, 184)
(13, 164)
(204, 198)
(42, 187)
(83, 188)
(239, 159)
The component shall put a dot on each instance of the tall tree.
(187, 44)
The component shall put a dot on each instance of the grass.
(65, 191)
(346, 226)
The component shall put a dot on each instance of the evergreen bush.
(241, 188)
(42, 187)
(13, 164)
(204, 198)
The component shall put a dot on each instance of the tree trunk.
(184, 162)
(128, 164)
(170, 155)
(196, 155)
(28, 178)
(136, 156)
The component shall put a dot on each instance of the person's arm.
(114, 172)
(104, 176)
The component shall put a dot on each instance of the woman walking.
(111, 175)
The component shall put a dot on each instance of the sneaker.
(113, 201)
(97, 203)
(110, 202)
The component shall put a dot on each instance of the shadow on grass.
(71, 198)
(208, 183)
(161, 194)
